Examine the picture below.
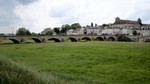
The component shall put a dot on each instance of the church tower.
(117, 19)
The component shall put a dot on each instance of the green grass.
(11, 73)
(84, 62)
(7, 42)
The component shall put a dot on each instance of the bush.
(123, 38)
(134, 32)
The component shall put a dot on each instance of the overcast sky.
(36, 15)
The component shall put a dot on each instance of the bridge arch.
(15, 41)
(22, 40)
(86, 38)
(36, 40)
(147, 40)
(111, 39)
(99, 39)
(73, 39)
(55, 39)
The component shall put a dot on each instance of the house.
(92, 30)
(69, 32)
(77, 31)
(110, 31)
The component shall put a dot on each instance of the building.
(78, 31)
(126, 27)
(119, 26)
(119, 23)
(69, 32)
(92, 30)
(111, 31)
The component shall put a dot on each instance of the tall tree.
(23, 31)
(140, 21)
(57, 30)
(75, 26)
(92, 24)
(95, 25)
(65, 28)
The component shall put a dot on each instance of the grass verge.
(11, 73)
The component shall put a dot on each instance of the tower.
(117, 19)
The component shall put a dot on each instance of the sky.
(35, 15)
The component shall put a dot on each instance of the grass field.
(83, 62)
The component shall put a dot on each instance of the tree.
(123, 38)
(75, 26)
(57, 30)
(105, 25)
(49, 33)
(134, 32)
(1, 34)
(33, 33)
(28, 32)
(65, 28)
(140, 21)
(23, 31)
(91, 24)
(87, 26)
(95, 25)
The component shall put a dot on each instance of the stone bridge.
(42, 39)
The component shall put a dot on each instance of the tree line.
(48, 31)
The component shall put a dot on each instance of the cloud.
(140, 9)
(26, 2)
(7, 13)
(68, 12)
(8, 16)
(40, 14)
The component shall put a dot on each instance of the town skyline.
(39, 14)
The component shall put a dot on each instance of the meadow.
(80, 62)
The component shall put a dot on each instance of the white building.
(69, 32)
(78, 31)
(111, 31)
(92, 30)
